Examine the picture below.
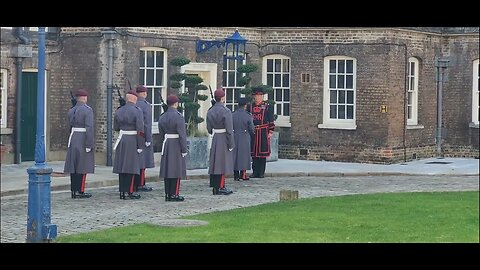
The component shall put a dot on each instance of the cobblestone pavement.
(105, 209)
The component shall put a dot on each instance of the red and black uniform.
(260, 145)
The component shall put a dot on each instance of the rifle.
(211, 95)
(73, 99)
(162, 102)
(120, 98)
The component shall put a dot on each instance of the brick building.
(343, 94)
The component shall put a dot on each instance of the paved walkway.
(15, 178)
(105, 209)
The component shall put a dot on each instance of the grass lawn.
(386, 217)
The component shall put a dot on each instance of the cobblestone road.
(105, 209)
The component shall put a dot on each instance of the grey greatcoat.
(221, 159)
(146, 157)
(129, 118)
(243, 130)
(172, 164)
(78, 160)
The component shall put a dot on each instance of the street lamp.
(235, 46)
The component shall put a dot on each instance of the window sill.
(474, 125)
(283, 124)
(337, 126)
(415, 126)
(6, 131)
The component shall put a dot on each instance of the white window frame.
(412, 80)
(4, 87)
(226, 80)
(475, 93)
(328, 123)
(164, 81)
(282, 121)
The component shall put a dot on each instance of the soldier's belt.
(75, 129)
(240, 131)
(220, 130)
(168, 136)
(123, 132)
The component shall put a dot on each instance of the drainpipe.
(109, 35)
(18, 119)
(441, 64)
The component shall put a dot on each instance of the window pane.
(409, 98)
(278, 63)
(224, 79)
(160, 59)
(286, 65)
(412, 68)
(270, 79)
(412, 84)
(341, 81)
(278, 80)
(409, 112)
(231, 64)
(231, 78)
(150, 58)
(349, 97)
(349, 66)
(286, 80)
(156, 96)
(349, 111)
(149, 76)
(141, 59)
(142, 76)
(225, 67)
(341, 96)
(229, 95)
(156, 113)
(278, 94)
(149, 95)
(279, 109)
(333, 81)
(286, 109)
(333, 96)
(333, 111)
(341, 66)
(333, 66)
(269, 65)
(349, 82)
(236, 95)
(159, 77)
(286, 95)
(341, 111)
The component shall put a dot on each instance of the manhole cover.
(438, 162)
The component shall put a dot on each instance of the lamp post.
(39, 228)
(235, 46)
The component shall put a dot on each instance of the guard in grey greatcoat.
(219, 124)
(243, 130)
(146, 157)
(80, 158)
(173, 134)
(129, 145)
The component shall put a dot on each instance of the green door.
(29, 111)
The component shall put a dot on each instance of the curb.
(114, 182)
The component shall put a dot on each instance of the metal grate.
(438, 162)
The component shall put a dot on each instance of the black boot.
(224, 191)
(176, 198)
(132, 196)
(144, 188)
(83, 195)
(236, 175)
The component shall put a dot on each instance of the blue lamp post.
(235, 46)
(39, 228)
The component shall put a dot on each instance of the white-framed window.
(153, 75)
(476, 92)
(276, 73)
(412, 91)
(339, 95)
(3, 96)
(229, 84)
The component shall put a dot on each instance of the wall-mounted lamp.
(234, 46)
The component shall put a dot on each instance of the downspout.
(109, 34)
(405, 106)
(18, 121)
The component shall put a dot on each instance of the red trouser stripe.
(222, 181)
(142, 177)
(177, 189)
(131, 183)
(244, 174)
(84, 177)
